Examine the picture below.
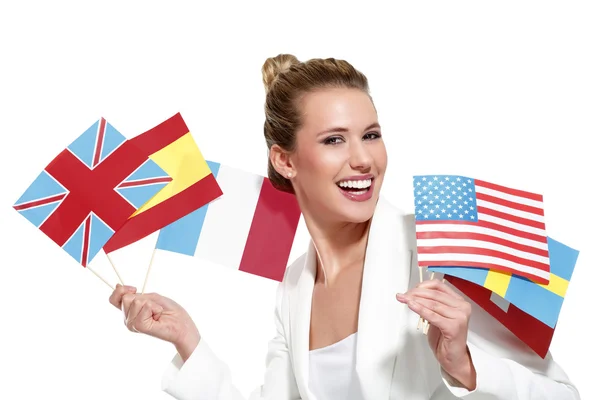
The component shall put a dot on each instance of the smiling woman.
(347, 309)
(323, 133)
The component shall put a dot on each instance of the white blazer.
(393, 359)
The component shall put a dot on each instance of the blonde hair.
(286, 79)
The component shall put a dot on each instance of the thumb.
(157, 311)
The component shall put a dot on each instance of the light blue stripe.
(83, 147)
(475, 275)
(534, 300)
(139, 195)
(112, 139)
(562, 259)
(182, 235)
(149, 169)
(99, 235)
(74, 245)
(37, 215)
(43, 186)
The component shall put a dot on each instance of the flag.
(526, 315)
(90, 189)
(250, 228)
(172, 147)
(543, 302)
(466, 222)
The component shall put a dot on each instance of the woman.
(347, 310)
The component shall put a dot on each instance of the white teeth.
(363, 184)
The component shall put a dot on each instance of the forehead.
(343, 108)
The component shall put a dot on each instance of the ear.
(281, 161)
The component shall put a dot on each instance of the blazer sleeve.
(507, 369)
(205, 377)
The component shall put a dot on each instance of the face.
(340, 158)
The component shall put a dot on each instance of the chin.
(355, 211)
(358, 213)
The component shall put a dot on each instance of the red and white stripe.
(99, 142)
(509, 236)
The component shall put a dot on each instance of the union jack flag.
(90, 190)
(466, 222)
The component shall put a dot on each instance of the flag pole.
(148, 271)
(426, 327)
(420, 324)
(101, 278)
(113, 266)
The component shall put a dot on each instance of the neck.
(339, 246)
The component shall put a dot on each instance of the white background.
(507, 92)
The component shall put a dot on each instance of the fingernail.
(402, 298)
(131, 289)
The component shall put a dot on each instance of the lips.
(359, 188)
(362, 184)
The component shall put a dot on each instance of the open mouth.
(356, 187)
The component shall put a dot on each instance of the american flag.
(466, 222)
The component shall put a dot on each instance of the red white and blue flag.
(466, 222)
(251, 227)
(90, 190)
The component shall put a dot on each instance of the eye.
(372, 135)
(333, 140)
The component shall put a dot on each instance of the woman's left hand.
(448, 314)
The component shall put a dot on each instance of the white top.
(332, 373)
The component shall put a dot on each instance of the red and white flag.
(251, 227)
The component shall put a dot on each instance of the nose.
(360, 157)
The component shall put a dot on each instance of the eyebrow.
(341, 129)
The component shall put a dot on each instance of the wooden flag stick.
(420, 324)
(99, 276)
(148, 271)
(113, 266)
(426, 327)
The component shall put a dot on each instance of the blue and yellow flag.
(543, 302)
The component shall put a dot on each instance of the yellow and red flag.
(172, 147)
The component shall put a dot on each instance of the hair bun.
(274, 66)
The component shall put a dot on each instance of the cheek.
(321, 165)
(380, 157)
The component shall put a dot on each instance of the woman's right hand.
(157, 316)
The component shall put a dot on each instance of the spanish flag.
(172, 147)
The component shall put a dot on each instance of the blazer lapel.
(301, 307)
(381, 317)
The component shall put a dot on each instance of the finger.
(117, 295)
(158, 299)
(134, 309)
(150, 311)
(427, 314)
(436, 284)
(437, 307)
(148, 314)
(126, 303)
(436, 316)
(436, 295)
